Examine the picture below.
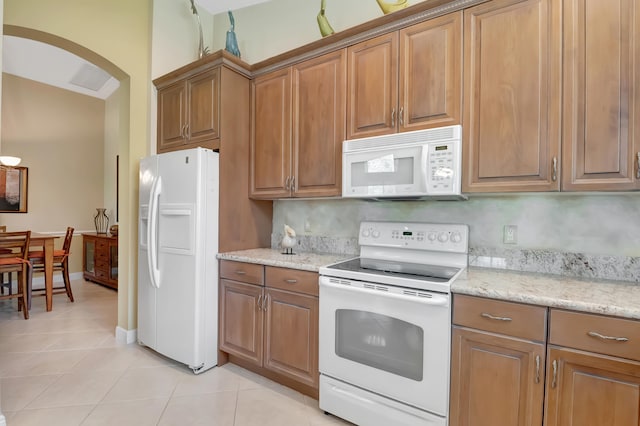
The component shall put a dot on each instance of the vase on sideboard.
(101, 220)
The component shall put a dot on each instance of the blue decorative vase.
(232, 43)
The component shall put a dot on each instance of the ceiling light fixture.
(9, 161)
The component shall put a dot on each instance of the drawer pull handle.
(537, 369)
(489, 316)
(291, 281)
(259, 300)
(555, 373)
(240, 272)
(603, 337)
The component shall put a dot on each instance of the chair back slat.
(15, 244)
(66, 246)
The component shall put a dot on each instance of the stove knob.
(375, 233)
(366, 233)
(456, 237)
(432, 236)
(443, 237)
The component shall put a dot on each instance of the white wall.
(274, 27)
(175, 35)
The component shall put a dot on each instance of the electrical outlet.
(307, 226)
(510, 234)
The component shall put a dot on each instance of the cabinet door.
(271, 135)
(495, 380)
(241, 320)
(88, 255)
(372, 98)
(291, 336)
(511, 126)
(204, 106)
(589, 389)
(113, 262)
(172, 116)
(431, 73)
(319, 99)
(601, 95)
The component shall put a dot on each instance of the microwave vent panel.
(443, 134)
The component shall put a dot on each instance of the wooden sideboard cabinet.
(100, 259)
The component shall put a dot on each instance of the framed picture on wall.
(13, 189)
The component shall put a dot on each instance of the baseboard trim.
(124, 336)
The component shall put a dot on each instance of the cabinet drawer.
(101, 245)
(292, 280)
(578, 330)
(240, 271)
(497, 316)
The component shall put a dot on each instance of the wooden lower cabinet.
(291, 335)
(590, 389)
(589, 375)
(241, 320)
(495, 380)
(268, 329)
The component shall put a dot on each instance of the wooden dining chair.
(5, 279)
(14, 249)
(60, 263)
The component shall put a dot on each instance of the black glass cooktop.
(415, 271)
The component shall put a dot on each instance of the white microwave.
(409, 165)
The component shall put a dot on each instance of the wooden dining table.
(45, 241)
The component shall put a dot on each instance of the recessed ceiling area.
(51, 65)
(57, 67)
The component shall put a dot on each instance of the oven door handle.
(435, 299)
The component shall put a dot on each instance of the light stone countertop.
(615, 298)
(273, 257)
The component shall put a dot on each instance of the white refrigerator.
(177, 247)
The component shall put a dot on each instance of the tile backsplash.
(592, 236)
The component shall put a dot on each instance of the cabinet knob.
(401, 116)
(554, 175)
(286, 183)
(393, 117)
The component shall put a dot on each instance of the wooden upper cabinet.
(591, 389)
(172, 115)
(430, 86)
(319, 100)
(189, 112)
(512, 109)
(406, 80)
(271, 135)
(204, 106)
(373, 87)
(601, 139)
(298, 129)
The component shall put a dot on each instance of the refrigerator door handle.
(152, 233)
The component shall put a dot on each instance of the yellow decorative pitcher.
(388, 7)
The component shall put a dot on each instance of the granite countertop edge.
(613, 298)
(303, 261)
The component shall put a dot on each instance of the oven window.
(383, 170)
(381, 342)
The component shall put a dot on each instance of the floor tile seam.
(43, 390)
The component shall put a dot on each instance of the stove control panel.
(418, 236)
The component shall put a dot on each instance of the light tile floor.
(65, 368)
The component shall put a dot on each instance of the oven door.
(393, 344)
